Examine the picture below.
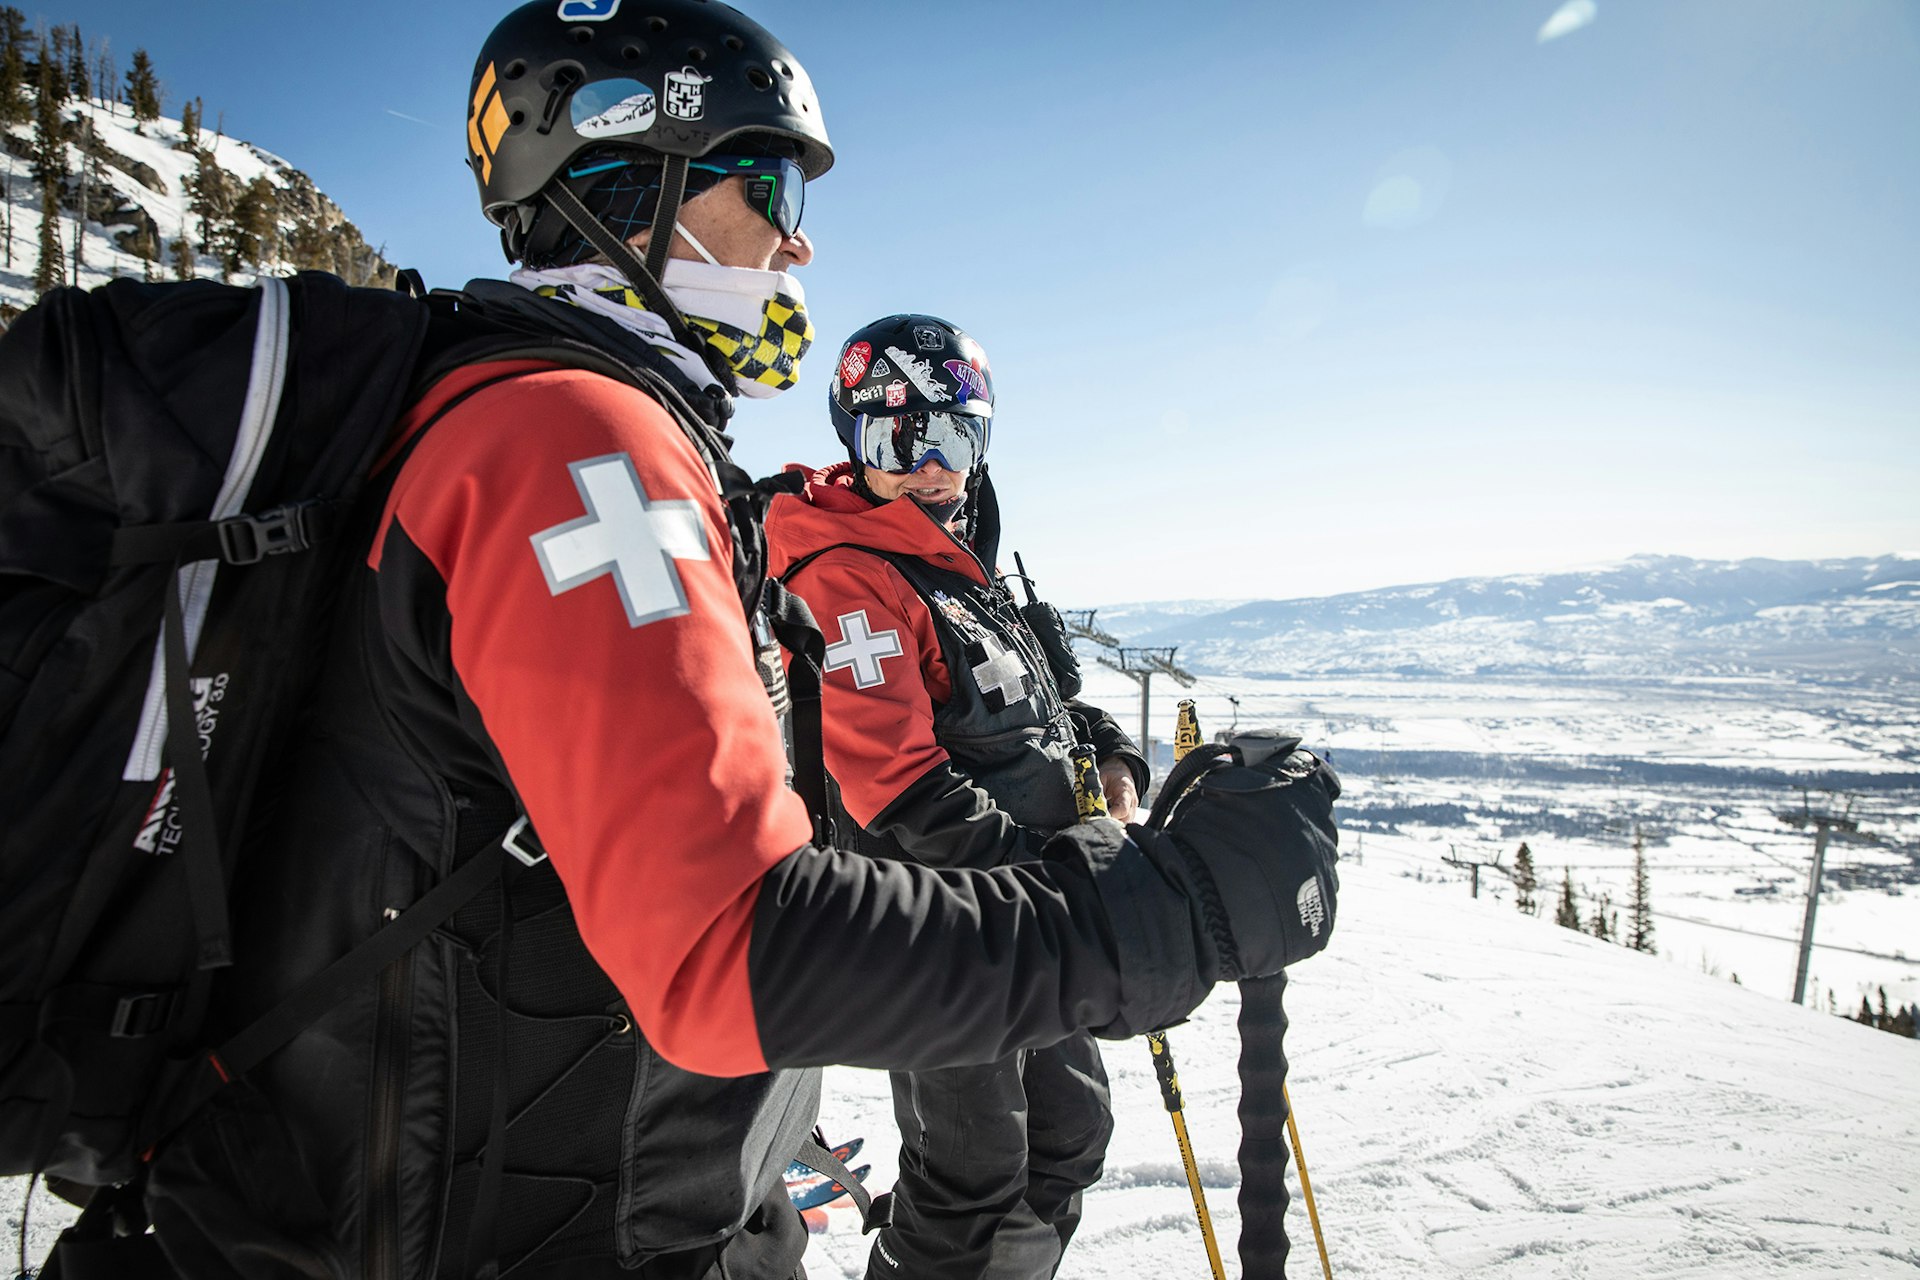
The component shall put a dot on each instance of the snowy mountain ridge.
(139, 189)
(1840, 619)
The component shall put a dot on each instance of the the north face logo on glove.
(1313, 911)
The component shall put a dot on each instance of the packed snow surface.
(1480, 1093)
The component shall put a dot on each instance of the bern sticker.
(613, 108)
(588, 10)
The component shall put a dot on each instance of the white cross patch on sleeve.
(624, 534)
(862, 650)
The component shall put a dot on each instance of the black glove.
(1256, 845)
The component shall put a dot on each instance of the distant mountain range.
(1828, 620)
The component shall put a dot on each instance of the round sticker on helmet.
(613, 108)
(853, 364)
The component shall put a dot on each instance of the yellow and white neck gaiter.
(756, 320)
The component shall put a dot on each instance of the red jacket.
(948, 772)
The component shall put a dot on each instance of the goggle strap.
(673, 188)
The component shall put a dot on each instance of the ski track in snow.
(1484, 1094)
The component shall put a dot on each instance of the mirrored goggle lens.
(776, 188)
(902, 444)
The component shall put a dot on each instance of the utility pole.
(1823, 822)
(1454, 860)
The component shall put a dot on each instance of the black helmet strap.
(622, 256)
(673, 189)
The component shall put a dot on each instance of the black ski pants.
(993, 1160)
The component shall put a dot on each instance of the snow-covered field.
(1701, 769)
(1482, 1094)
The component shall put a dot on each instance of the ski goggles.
(902, 444)
(776, 186)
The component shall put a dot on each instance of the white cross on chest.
(859, 648)
(1002, 671)
(625, 535)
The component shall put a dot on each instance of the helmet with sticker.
(907, 364)
(668, 77)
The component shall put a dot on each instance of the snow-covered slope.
(1484, 1095)
(139, 187)
(1846, 619)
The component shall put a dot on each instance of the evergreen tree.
(51, 80)
(1567, 915)
(190, 115)
(143, 89)
(309, 248)
(210, 199)
(13, 27)
(1903, 1022)
(15, 108)
(254, 229)
(49, 171)
(1865, 1016)
(1524, 880)
(1602, 927)
(79, 79)
(1640, 911)
(183, 262)
(1883, 1020)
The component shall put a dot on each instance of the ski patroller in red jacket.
(549, 620)
(898, 714)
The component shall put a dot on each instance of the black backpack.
(174, 462)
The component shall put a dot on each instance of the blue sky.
(1286, 299)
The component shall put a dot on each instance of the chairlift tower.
(1823, 822)
(1142, 665)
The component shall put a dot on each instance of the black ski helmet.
(907, 364)
(671, 77)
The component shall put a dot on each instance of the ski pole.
(1090, 800)
(1306, 1185)
(1169, 1079)
(1266, 1110)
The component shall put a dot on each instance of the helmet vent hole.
(518, 118)
(697, 54)
(656, 25)
(734, 43)
(759, 79)
(634, 52)
(581, 35)
(515, 69)
(783, 69)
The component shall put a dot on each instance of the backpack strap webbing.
(875, 1211)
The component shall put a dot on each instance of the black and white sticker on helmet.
(613, 109)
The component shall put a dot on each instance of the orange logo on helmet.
(486, 122)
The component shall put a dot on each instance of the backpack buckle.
(135, 1017)
(245, 539)
(511, 842)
